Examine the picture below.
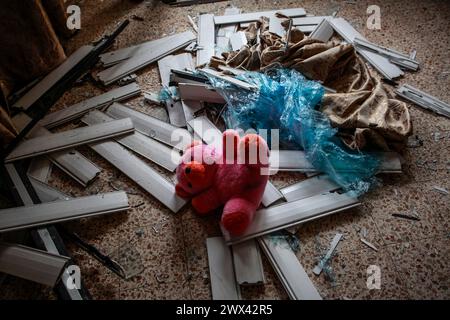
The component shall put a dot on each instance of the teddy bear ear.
(193, 144)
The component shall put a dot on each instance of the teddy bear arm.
(206, 201)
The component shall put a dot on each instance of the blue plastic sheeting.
(287, 101)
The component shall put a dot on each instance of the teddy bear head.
(197, 169)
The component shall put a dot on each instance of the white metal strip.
(207, 131)
(199, 92)
(223, 281)
(271, 195)
(78, 110)
(289, 270)
(307, 21)
(68, 139)
(382, 64)
(71, 161)
(400, 59)
(147, 147)
(323, 31)
(174, 62)
(52, 212)
(145, 58)
(40, 168)
(254, 16)
(424, 100)
(206, 38)
(190, 108)
(53, 77)
(153, 127)
(113, 57)
(310, 187)
(334, 243)
(291, 213)
(247, 261)
(138, 171)
(31, 264)
(224, 77)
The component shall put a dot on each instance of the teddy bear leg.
(206, 202)
(237, 215)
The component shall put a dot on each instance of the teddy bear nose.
(187, 170)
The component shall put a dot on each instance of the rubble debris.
(441, 190)
(414, 142)
(405, 216)
(326, 258)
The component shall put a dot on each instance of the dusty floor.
(414, 257)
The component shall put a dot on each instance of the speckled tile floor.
(413, 256)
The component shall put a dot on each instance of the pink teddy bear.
(232, 178)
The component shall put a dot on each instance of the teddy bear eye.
(187, 170)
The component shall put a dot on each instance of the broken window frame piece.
(109, 59)
(31, 264)
(288, 214)
(48, 213)
(151, 126)
(206, 38)
(323, 31)
(395, 57)
(334, 243)
(73, 163)
(47, 238)
(142, 174)
(423, 100)
(254, 16)
(141, 144)
(52, 78)
(387, 69)
(222, 278)
(320, 184)
(247, 262)
(75, 111)
(291, 273)
(134, 63)
(68, 139)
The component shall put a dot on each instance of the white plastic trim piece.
(292, 213)
(206, 38)
(199, 92)
(40, 168)
(424, 100)
(289, 270)
(223, 281)
(53, 77)
(334, 243)
(145, 146)
(138, 171)
(238, 40)
(254, 16)
(247, 261)
(113, 57)
(153, 127)
(78, 110)
(310, 187)
(31, 264)
(73, 163)
(68, 139)
(144, 58)
(226, 31)
(190, 108)
(308, 21)
(174, 62)
(224, 77)
(271, 195)
(58, 211)
(323, 31)
(382, 64)
(46, 193)
(207, 131)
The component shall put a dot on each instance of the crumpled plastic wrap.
(287, 101)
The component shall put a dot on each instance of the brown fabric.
(7, 130)
(30, 47)
(361, 108)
